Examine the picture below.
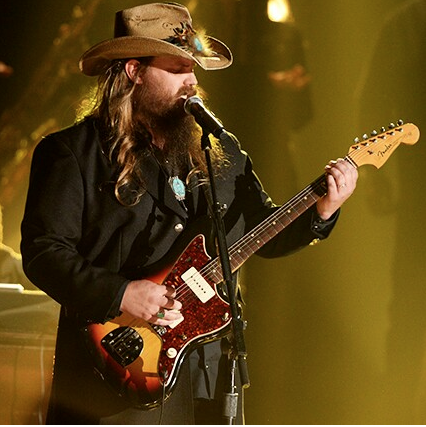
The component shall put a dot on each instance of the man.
(111, 196)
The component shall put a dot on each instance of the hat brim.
(95, 60)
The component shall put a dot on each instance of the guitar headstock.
(376, 149)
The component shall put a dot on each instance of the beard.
(165, 118)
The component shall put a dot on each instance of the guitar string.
(213, 266)
(185, 294)
(358, 151)
(352, 157)
(256, 233)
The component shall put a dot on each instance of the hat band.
(186, 38)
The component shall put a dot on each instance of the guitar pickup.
(123, 344)
(196, 282)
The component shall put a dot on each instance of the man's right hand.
(152, 302)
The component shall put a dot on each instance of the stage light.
(279, 11)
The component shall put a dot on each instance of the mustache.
(191, 91)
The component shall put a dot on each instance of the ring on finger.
(342, 185)
(160, 314)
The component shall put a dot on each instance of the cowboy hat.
(152, 30)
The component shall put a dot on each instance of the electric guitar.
(142, 361)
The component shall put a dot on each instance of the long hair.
(126, 141)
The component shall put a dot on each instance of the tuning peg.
(391, 125)
(400, 122)
(365, 136)
(382, 129)
(356, 140)
(374, 133)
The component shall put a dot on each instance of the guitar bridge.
(123, 344)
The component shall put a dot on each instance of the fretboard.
(251, 242)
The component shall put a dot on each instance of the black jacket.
(81, 246)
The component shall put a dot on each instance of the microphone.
(206, 119)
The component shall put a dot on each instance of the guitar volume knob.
(171, 353)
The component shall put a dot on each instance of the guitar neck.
(250, 243)
(374, 151)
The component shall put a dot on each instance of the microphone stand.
(238, 351)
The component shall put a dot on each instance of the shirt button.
(178, 228)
